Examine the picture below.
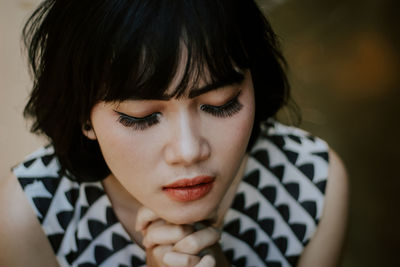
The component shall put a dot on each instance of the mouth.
(185, 190)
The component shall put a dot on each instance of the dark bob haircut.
(83, 51)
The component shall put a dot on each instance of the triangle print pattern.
(279, 202)
(273, 216)
(77, 218)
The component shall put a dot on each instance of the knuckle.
(143, 218)
(186, 260)
(179, 231)
(148, 240)
(160, 251)
(192, 260)
(166, 259)
(176, 259)
(145, 242)
(191, 243)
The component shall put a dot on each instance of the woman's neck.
(226, 202)
(125, 206)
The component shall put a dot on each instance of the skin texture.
(22, 240)
(186, 142)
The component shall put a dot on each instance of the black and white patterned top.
(273, 216)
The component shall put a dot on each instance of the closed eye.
(228, 109)
(136, 123)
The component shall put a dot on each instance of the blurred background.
(344, 69)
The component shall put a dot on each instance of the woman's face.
(177, 157)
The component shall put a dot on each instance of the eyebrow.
(236, 78)
(233, 78)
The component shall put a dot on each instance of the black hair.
(83, 51)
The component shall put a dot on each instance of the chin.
(190, 215)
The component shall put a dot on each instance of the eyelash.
(226, 110)
(138, 123)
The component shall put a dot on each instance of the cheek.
(231, 136)
(240, 126)
(237, 134)
(125, 151)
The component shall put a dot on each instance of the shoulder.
(295, 148)
(40, 176)
(332, 226)
(295, 156)
(22, 242)
(320, 163)
(338, 185)
(22, 236)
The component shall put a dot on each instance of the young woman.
(163, 148)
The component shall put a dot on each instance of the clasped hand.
(177, 245)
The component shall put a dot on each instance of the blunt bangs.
(84, 51)
(198, 38)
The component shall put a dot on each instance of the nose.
(187, 146)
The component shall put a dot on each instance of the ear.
(88, 131)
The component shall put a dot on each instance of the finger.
(165, 234)
(206, 261)
(197, 241)
(176, 259)
(144, 217)
(153, 224)
(157, 253)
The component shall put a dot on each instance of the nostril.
(205, 150)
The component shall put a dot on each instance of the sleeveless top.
(273, 216)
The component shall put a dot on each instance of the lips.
(185, 190)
